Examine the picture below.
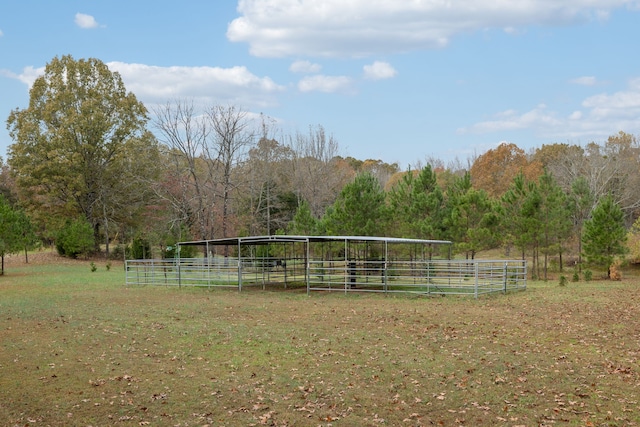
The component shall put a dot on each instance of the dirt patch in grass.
(42, 257)
(18, 264)
(80, 353)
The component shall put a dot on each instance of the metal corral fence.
(465, 277)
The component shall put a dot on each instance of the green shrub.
(118, 252)
(563, 280)
(93, 266)
(588, 275)
(75, 238)
(576, 277)
(140, 249)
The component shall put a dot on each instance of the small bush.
(117, 252)
(576, 277)
(108, 266)
(563, 280)
(75, 238)
(93, 266)
(588, 275)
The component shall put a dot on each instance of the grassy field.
(78, 348)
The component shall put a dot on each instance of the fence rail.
(468, 277)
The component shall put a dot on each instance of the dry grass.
(78, 348)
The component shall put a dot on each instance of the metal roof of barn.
(264, 240)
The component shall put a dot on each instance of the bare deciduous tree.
(233, 134)
(608, 169)
(317, 177)
(269, 168)
(186, 135)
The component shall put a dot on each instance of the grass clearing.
(79, 348)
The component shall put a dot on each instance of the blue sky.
(395, 80)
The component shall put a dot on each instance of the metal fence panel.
(465, 277)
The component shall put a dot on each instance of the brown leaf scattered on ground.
(80, 348)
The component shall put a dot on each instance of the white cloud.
(305, 67)
(379, 70)
(235, 85)
(86, 21)
(511, 30)
(511, 120)
(359, 28)
(206, 85)
(327, 84)
(28, 75)
(601, 115)
(620, 104)
(585, 81)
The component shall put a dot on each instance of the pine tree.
(471, 221)
(303, 222)
(360, 209)
(604, 235)
(521, 216)
(417, 205)
(555, 218)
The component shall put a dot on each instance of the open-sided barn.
(330, 263)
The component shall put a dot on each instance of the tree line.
(90, 166)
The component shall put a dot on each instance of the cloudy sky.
(395, 80)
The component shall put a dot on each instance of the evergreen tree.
(604, 235)
(359, 209)
(555, 219)
(521, 218)
(472, 220)
(303, 222)
(417, 206)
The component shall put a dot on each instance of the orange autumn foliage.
(495, 170)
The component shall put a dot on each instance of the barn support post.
(505, 277)
(284, 263)
(208, 258)
(176, 259)
(239, 266)
(384, 266)
(346, 265)
(307, 266)
(476, 274)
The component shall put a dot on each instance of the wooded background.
(92, 170)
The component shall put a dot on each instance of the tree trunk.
(560, 255)
(96, 237)
(106, 232)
